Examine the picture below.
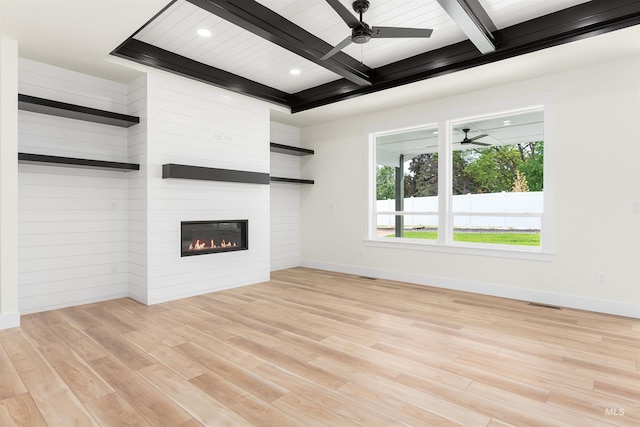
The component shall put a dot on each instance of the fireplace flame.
(201, 245)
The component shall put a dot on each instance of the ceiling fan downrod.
(362, 34)
(360, 6)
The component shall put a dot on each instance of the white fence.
(512, 211)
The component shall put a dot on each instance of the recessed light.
(203, 32)
(295, 71)
(435, 132)
(506, 122)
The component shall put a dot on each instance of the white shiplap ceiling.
(230, 48)
(240, 52)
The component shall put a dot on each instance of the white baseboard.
(9, 320)
(285, 266)
(532, 295)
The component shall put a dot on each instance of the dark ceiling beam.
(146, 54)
(261, 21)
(584, 20)
(575, 23)
(581, 21)
(473, 20)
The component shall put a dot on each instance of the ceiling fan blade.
(484, 144)
(398, 32)
(344, 43)
(477, 137)
(344, 13)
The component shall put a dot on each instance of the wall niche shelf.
(72, 111)
(291, 180)
(172, 170)
(77, 112)
(292, 151)
(76, 162)
(288, 149)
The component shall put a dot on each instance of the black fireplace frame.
(186, 239)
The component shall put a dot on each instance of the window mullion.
(445, 176)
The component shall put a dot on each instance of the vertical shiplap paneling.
(285, 201)
(72, 222)
(137, 192)
(195, 124)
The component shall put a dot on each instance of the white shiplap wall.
(72, 221)
(195, 124)
(137, 192)
(285, 200)
(91, 235)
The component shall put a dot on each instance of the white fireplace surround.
(91, 235)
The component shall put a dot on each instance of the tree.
(520, 184)
(463, 180)
(385, 183)
(532, 165)
(422, 180)
(480, 170)
(494, 168)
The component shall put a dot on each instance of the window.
(407, 165)
(468, 182)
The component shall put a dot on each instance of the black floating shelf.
(73, 161)
(172, 170)
(72, 111)
(292, 180)
(288, 149)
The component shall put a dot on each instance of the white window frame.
(445, 242)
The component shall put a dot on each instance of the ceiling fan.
(361, 32)
(473, 140)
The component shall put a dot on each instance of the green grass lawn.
(523, 239)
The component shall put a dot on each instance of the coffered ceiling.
(244, 51)
(254, 45)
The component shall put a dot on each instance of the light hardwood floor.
(313, 348)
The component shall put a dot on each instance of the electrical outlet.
(636, 207)
(601, 279)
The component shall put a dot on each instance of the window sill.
(495, 251)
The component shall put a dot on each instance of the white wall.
(72, 221)
(594, 155)
(137, 193)
(285, 200)
(9, 310)
(195, 124)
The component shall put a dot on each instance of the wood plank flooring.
(314, 348)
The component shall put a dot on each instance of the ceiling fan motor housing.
(361, 35)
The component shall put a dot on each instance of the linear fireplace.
(210, 237)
